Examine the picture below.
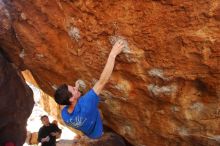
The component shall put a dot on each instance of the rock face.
(16, 104)
(165, 87)
(108, 139)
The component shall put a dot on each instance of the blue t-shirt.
(86, 116)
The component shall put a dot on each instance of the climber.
(81, 112)
(48, 132)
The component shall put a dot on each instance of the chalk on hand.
(114, 39)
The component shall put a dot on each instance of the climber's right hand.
(117, 48)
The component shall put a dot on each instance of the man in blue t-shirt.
(81, 112)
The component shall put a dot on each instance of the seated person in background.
(48, 132)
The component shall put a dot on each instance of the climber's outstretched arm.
(107, 71)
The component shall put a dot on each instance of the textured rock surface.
(108, 139)
(165, 88)
(16, 104)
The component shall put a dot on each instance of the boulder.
(16, 103)
(165, 86)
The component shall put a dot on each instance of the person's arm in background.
(107, 71)
(57, 131)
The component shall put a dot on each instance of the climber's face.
(75, 92)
